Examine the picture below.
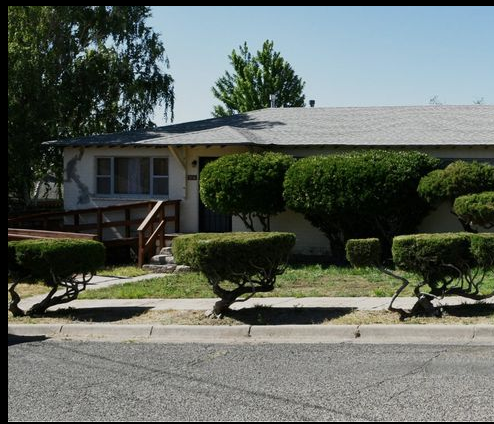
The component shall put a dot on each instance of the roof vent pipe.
(312, 103)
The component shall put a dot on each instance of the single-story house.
(165, 162)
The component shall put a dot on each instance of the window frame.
(124, 195)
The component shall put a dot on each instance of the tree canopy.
(254, 79)
(75, 71)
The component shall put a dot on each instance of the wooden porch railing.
(151, 232)
(56, 221)
(24, 234)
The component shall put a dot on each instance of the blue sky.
(348, 56)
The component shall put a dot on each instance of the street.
(99, 381)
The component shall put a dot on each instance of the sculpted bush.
(476, 209)
(247, 185)
(457, 179)
(248, 262)
(58, 263)
(447, 264)
(360, 194)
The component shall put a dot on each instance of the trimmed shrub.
(363, 252)
(55, 262)
(360, 194)
(482, 249)
(449, 263)
(476, 209)
(251, 261)
(247, 185)
(430, 255)
(457, 179)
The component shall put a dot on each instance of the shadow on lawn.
(265, 315)
(98, 314)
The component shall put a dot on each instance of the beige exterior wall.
(80, 180)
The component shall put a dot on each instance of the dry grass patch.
(464, 314)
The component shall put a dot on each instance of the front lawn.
(297, 281)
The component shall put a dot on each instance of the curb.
(378, 333)
(304, 333)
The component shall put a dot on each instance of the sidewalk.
(358, 303)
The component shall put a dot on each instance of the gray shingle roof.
(340, 126)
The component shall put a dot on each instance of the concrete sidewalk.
(358, 303)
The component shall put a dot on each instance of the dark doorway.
(209, 221)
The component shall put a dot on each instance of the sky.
(348, 56)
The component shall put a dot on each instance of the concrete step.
(168, 269)
(162, 260)
(166, 251)
(162, 269)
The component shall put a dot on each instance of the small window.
(103, 176)
(160, 176)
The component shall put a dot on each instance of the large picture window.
(132, 176)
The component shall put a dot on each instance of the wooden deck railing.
(56, 221)
(152, 230)
(24, 234)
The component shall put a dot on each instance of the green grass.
(297, 281)
(122, 271)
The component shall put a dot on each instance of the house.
(165, 162)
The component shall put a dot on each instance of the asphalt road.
(96, 381)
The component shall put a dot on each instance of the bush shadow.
(103, 314)
(14, 339)
(472, 310)
(265, 315)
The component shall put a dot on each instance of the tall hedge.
(249, 261)
(361, 194)
(58, 263)
(247, 185)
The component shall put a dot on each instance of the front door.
(209, 221)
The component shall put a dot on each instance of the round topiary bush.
(457, 179)
(247, 185)
(359, 194)
(55, 262)
(476, 209)
(249, 261)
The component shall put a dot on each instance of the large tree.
(254, 79)
(75, 71)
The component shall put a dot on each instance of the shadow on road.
(264, 315)
(14, 339)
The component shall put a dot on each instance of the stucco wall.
(80, 178)
(79, 188)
